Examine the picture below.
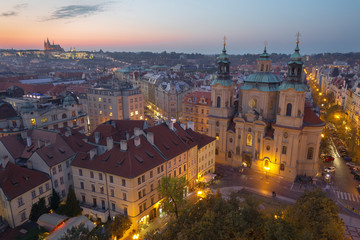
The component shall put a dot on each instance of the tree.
(314, 216)
(119, 225)
(79, 232)
(38, 209)
(72, 204)
(54, 200)
(172, 190)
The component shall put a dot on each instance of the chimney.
(24, 134)
(109, 143)
(92, 153)
(190, 124)
(39, 143)
(113, 124)
(68, 132)
(171, 125)
(150, 137)
(123, 145)
(97, 137)
(47, 143)
(137, 141)
(28, 141)
(183, 126)
(5, 161)
(137, 132)
(127, 136)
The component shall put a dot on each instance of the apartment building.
(20, 188)
(122, 175)
(106, 102)
(196, 106)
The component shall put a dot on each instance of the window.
(151, 187)
(143, 178)
(218, 102)
(125, 211)
(60, 168)
(123, 182)
(63, 116)
(99, 99)
(69, 176)
(174, 173)
(136, 112)
(152, 201)
(310, 153)
(47, 186)
(288, 109)
(216, 151)
(54, 171)
(73, 113)
(139, 181)
(132, 114)
(140, 194)
(249, 140)
(102, 204)
(144, 192)
(20, 201)
(92, 174)
(184, 167)
(112, 193)
(80, 172)
(100, 176)
(124, 196)
(113, 207)
(23, 216)
(56, 184)
(44, 120)
(67, 164)
(63, 193)
(101, 189)
(140, 208)
(284, 148)
(151, 174)
(179, 170)
(110, 114)
(82, 185)
(41, 191)
(282, 167)
(230, 140)
(83, 198)
(94, 202)
(92, 187)
(33, 194)
(33, 122)
(162, 168)
(229, 154)
(111, 179)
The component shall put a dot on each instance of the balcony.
(95, 212)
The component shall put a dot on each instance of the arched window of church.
(288, 109)
(249, 140)
(64, 115)
(229, 154)
(310, 153)
(218, 102)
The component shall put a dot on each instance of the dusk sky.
(182, 26)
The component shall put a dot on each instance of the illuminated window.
(99, 99)
(100, 112)
(132, 114)
(249, 140)
(141, 117)
(136, 112)
(110, 114)
(33, 121)
(44, 120)
(110, 107)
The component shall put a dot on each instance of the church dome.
(27, 107)
(68, 100)
(224, 57)
(263, 81)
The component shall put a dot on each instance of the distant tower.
(221, 109)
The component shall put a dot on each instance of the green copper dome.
(296, 56)
(264, 56)
(223, 57)
(263, 81)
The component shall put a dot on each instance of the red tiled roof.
(28, 88)
(14, 144)
(167, 141)
(16, 180)
(201, 139)
(78, 145)
(196, 97)
(310, 118)
(129, 164)
(119, 133)
(184, 136)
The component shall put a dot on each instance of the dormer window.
(189, 100)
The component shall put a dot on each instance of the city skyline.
(185, 26)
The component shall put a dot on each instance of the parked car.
(346, 158)
(330, 169)
(350, 164)
(328, 158)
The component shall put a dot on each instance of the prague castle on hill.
(271, 128)
(52, 47)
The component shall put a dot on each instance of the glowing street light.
(322, 135)
(136, 236)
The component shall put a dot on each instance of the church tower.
(221, 109)
(292, 93)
